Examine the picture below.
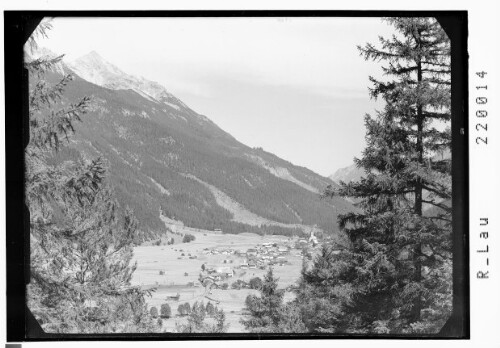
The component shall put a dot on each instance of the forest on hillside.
(139, 150)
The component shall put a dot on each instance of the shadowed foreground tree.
(268, 313)
(395, 276)
(80, 249)
(324, 291)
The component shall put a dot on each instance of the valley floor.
(180, 273)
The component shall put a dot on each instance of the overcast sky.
(296, 87)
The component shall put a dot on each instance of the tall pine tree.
(399, 261)
(325, 291)
(80, 250)
(268, 313)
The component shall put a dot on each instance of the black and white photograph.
(240, 175)
(217, 174)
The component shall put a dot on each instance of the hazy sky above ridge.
(296, 87)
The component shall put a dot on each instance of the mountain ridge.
(347, 174)
(93, 68)
(151, 144)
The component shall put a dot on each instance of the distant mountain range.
(347, 174)
(353, 173)
(173, 165)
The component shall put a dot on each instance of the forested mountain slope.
(165, 158)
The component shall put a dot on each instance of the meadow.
(179, 274)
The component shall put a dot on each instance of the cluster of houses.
(312, 241)
(260, 256)
(263, 255)
(217, 273)
(219, 251)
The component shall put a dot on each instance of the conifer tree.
(324, 290)
(397, 268)
(80, 250)
(264, 311)
(268, 313)
(210, 308)
(165, 311)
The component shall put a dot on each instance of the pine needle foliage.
(268, 313)
(395, 276)
(81, 250)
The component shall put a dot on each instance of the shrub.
(180, 310)
(184, 309)
(186, 274)
(188, 238)
(165, 311)
(162, 272)
(225, 286)
(154, 312)
(255, 283)
(196, 321)
(239, 284)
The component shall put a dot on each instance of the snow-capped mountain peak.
(94, 55)
(94, 68)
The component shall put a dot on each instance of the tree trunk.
(417, 306)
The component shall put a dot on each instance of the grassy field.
(180, 270)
